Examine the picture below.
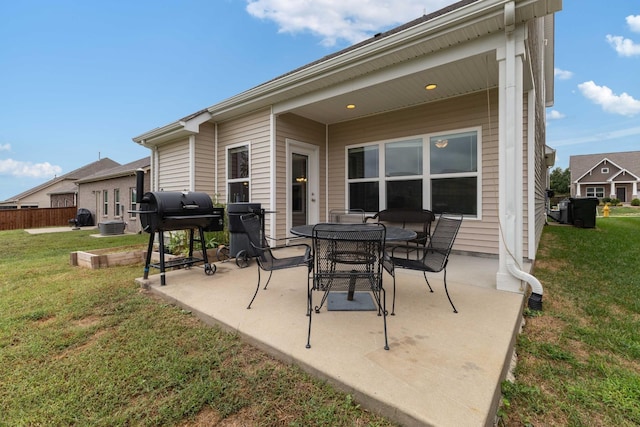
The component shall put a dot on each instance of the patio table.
(355, 302)
(394, 234)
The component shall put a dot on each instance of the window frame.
(228, 169)
(116, 202)
(427, 177)
(594, 192)
(105, 202)
(133, 191)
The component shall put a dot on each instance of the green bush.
(635, 202)
(615, 202)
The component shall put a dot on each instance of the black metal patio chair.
(418, 220)
(346, 216)
(431, 259)
(264, 254)
(348, 259)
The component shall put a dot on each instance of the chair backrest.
(348, 256)
(346, 216)
(418, 220)
(252, 224)
(442, 239)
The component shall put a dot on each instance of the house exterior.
(365, 128)
(110, 195)
(613, 175)
(58, 192)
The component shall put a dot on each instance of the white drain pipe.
(535, 300)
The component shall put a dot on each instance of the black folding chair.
(432, 259)
(264, 254)
(348, 258)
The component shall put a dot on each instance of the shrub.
(606, 200)
(635, 202)
(615, 202)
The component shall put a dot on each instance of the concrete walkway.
(442, 369)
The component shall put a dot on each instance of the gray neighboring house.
(614, 175)
(58, 192)
(110, 194)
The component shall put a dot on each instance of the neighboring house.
(614, 175)
(110, 195)
(58, 192)
(446, 112)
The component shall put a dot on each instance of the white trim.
(272, 173)
(226, 168)
(313, 188)
(192, 163)
(588, 172)
(216, 189)
(531, 175)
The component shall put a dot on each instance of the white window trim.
(604, 170)
(426, 172)
(226, 168)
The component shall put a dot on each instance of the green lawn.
(89, 347)
(579, 359)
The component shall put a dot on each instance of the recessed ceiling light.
(431, 86)
(351, 106)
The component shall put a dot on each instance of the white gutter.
(513, 159)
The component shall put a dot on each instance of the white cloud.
(623, 104)
(624, 47)
(633, 21)
(5, 147)
(562, 74)
(28, 169)
(600, 137)
(334, 20)
(555, 115)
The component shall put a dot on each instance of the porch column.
(577, 189)
(634, 190)
(613, 190)
(510, 151)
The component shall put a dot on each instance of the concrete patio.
(442, 369)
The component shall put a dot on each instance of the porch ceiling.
(469, 75)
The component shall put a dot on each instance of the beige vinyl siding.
(173, 161)
(478, 109)
(253, 129)
(291, 126)
(204, 159)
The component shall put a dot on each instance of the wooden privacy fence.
(17, 219)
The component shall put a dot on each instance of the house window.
(133, 195)
(105, 202)
(116, 202)
(605, 171)
(454, 173)
(438, 172)
(595, 192)
(238, 174)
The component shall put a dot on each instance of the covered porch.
(442, 368)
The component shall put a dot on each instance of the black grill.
(178, 210)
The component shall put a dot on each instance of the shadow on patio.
(442, 368)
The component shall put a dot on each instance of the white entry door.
(302, 183)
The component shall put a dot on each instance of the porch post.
(613, 190)
(510, 151)
(634, 190)
(577, 189)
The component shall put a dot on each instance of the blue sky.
(79, 79)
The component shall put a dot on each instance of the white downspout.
(511, 164)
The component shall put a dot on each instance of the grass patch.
(89, 347)
(579, 360)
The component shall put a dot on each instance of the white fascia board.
(623, 171)
(604, 159)
(173, 130)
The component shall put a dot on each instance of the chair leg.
(257, 288)
(384, 318)
(424, 273)
(309, 312)
(268, 280)
(393, 304)
(447, 291)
